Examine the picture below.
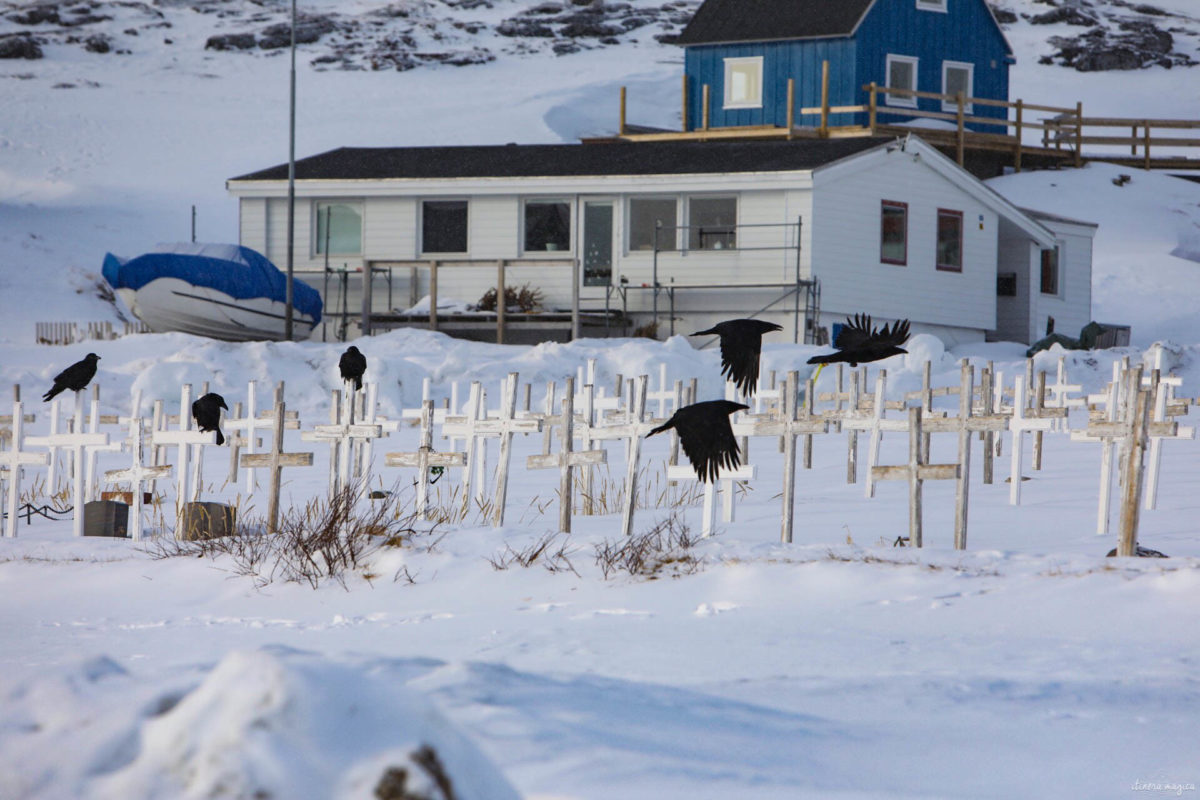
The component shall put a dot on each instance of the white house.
(801, 232)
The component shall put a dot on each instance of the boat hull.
(170, 304)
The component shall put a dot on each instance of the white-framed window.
(652, 218)
(547, 226)
(932, 5)
(339, 228)
(901, 74)
(957, 76)
(743, 82)
(712, 223)
(444, 226)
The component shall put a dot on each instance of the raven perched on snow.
(858, 344)
(741, 344)
(74, 377)
(706, 436)
(207, 413)
(352, 365)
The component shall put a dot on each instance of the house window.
(712, 223)
(646, 214)
(931, 5)
(547, 225)
(957, 76)
(893, 236)
(901, 74)
(949, 240)
(1050, 261)
(339, 228)
(743, 82)
(444, 226)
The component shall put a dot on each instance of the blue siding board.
(966, 33)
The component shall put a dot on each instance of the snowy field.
(838, 666)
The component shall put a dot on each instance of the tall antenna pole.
(291, 215)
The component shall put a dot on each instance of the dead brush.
(607, 494)
(666, 549)
(328, 539)
(549, 550)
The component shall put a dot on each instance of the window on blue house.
(743, 82)
(957, 76)
(339, 228)
(931, 5)
(901, 74)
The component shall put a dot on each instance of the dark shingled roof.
(568, 160)
(718, 21)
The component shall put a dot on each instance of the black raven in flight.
(207, 413)
(741, 344)
(857, 343)
(353, 364)
(706, 436)
(74, 377)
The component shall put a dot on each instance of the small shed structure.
(745, 51)
(684, 234)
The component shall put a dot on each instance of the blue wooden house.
(746, 50)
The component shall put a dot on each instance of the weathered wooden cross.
(567, 458)
(13, 460)
(137, 474)
(275, 460)
(504, 427)
(184, 438)
(425, 458)
(341, 436)
(916, 472)
(876, 424)
(1164, 409)
(632, 432)
(1025, 419)
(78, 443)
(965, 424)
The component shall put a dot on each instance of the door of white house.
(599, 227)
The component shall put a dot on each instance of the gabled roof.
(719, 21)
(568, 160)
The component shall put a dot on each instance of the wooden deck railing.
(1063, 129)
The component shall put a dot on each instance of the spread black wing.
(741, 348)
(707, 437)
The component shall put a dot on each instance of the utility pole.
(291, 215)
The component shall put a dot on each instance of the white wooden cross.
(341, 436)
(788, 426)
(1112, 414)
(425, 458)
(965, 424)
(876, 424)
(504, 427)
(78, 443)
(838, 415)
(184, 438)
(567, 459)
(1025, 419)
(93, 426)
(1060, 392)
(137, 474)
(465, 428)
(370, 416)
(684, 473)
(235, 442)
(664, 396)
(916, 472)
(1162, 393)
(13, 460)
(275, 459)
(632, 432)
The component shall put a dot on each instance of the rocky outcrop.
(20, 46)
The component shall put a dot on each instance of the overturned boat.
(223, 291)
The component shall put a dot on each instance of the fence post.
(1146, 145)
(621, 125)
(1133, 140)
(684, 125)
(872, 106)
(704, 113)
(825, 99)
(1020, 120)
(1079, 134)
(960, 143)
(501, 301)
(433, 306)
(791, 106)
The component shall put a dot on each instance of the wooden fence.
(72, 332)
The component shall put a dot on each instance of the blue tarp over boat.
(231, 269)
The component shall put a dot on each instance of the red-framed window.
(893, 232)
(1050, 260)
(949, 240)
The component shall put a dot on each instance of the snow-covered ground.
(837, 666)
